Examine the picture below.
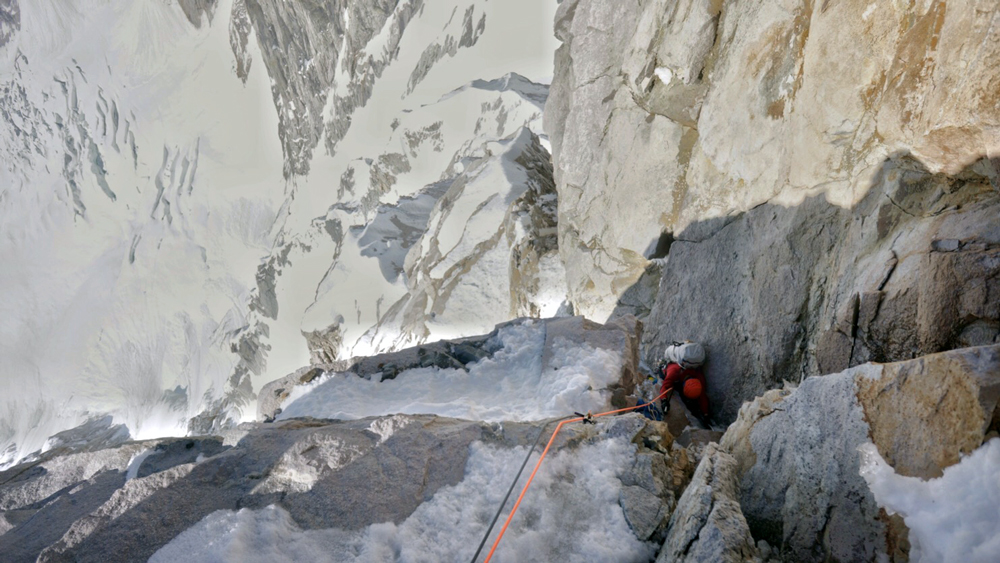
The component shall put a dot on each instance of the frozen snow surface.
(954, 518)
(572, 514)
(510, 385)
(159, 264)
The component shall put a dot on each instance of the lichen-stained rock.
(797, 459)
(954, 396)
(708, 524)
(803, 491)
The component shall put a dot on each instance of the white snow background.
(113, 308)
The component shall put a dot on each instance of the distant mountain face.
(202, 196)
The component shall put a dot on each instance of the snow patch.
(135, 463)
(954, 518)
(386, 427)
(664, 74)
(511, 385)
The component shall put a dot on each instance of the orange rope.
(544, 453)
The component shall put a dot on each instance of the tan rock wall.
(765, 102)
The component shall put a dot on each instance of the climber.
(681, 370)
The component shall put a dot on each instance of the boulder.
(708, 524)
(797, 457)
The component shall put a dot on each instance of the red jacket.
(674, 377)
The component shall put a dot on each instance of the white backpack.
(688, 354)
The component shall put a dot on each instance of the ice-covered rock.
(797, 453)
(955, 517)
(410, 487)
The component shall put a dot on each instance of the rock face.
(708, 524)
(797, 450)
(195, 9)
(815, 219)
(790, 292)
(312, 48)
(10, 20)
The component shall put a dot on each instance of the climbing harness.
(586, 419)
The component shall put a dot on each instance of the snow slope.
(140, 186)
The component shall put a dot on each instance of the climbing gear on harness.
(579, 418)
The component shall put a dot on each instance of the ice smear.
(955, 518)
(571, 514)
(135, 463)
(509, 386)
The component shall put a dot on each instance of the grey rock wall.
(780, 293)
